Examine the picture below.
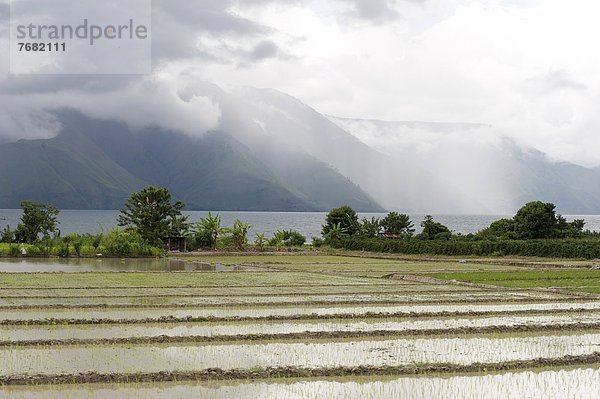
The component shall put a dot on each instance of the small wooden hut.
(175, 244)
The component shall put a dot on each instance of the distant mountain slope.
(491, 168)
(272, 152)
(69, 173)
(96, 164)
(531, 176)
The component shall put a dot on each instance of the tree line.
(151, 215)
(535, 230)
(147, 218)
(535, 220)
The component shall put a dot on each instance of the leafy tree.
(38, 221)
(126, 242)
(294, 239)
(433, 230)
(370, 228)
(576, 227)
(578, 224)
(180, 227)
(503, 228)
(345, 217)
(565, 229)
(7, 235)
(239, 234)
(395, 223)
(289, 238)
(536, 220)
(208, 230)
(152, 214)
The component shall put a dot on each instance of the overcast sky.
(527, 67)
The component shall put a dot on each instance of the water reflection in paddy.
(157, 358)
(60, 332)
(106, 265)
(298, 311)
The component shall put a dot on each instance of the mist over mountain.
(268, 151)
(96, 164)
(484, 164)
(272, 122)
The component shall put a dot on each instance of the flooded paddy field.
(539, 384)
(165, 299)
(299, 312)
(88, 280)
(282, 329)
(242, 326)
(123, 359)
(233, 290)
(354, 265)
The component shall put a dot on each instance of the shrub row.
(62, 251)
(115, 243)
(568, 248)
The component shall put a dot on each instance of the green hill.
(69, 173)
(96, 164)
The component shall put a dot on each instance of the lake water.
(308, 223)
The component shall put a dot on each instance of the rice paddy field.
(300, 326)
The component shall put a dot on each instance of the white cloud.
(527, 67)
(155, 101)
